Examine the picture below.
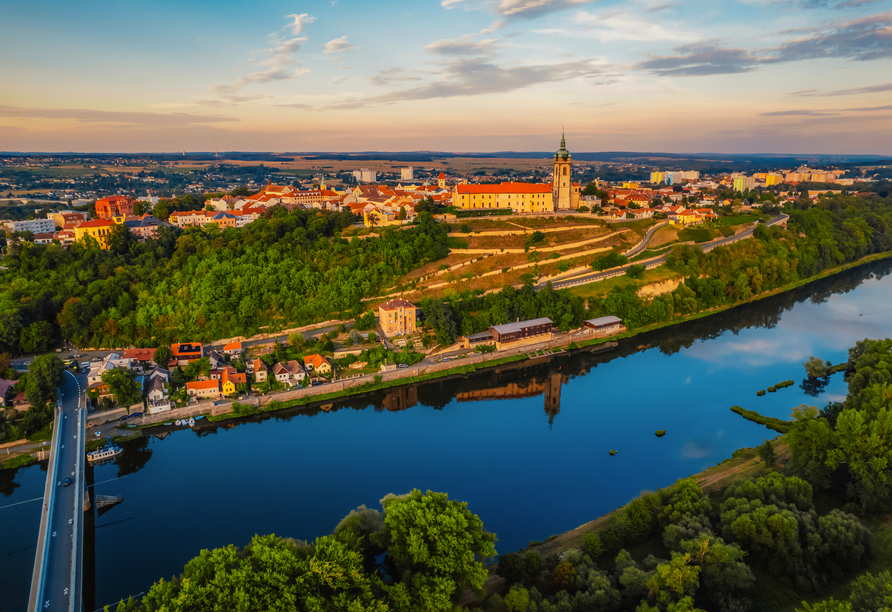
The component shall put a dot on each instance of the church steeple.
(562, 153)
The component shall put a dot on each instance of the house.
(184, 352)
(216, 359)
(114, 206)
(6, 392)
(157, 399)
(289, 373)
(142, 355)
(111, 361)
(233, 348)
(604, 326)
(204, 389)
(526, 332)
(231, 378)
(318, 364)
(20, 403)
(259, 370)
(398, 317)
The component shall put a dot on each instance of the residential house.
(114, 206)
(157, 399)
(111, 361)
(143, 227)
(233, 348)
(65, 237)
(140, 355)
(184, 352)
(203, 389)
(20, 403)
(100, 230)
(317, 364)
(6, 392)
(289, 373)
(44, 238)
(231, 378)
(259, 370)
(397, 317)
(216, 359)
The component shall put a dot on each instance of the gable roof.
(396, 304)
(203, 384)
(185, 349)
(510, 187)
(233, 346)
(140, 354)
(315, 361)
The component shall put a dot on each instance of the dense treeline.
(711, 551)
(202, 284)
(419, 554)
(467, 313)
(837, 230)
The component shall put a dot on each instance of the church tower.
(562, 190)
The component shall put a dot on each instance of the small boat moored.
(107, 452)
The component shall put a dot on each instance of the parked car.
(66, 482)
(402, 365)
(85, 365)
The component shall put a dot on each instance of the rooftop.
(508, 328)
(395, 304)
(510, 187)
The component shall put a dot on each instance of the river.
(527, 446)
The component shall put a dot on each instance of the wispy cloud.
(298, 22)
(338, 45)
(869, 38)
(534, 8)
(463, 45)
(797, 113)
(121, 118)
(392, 75)
(844, 92)
(477, 76)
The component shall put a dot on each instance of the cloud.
(477, 76)
(449, 4)
(121, 118)
(534, 8)
(392, 75)
(802, 113)
(298, 22)
(865, 39)
(661, 7)
(463, 45)
(700, 59)
(871, 108)
(627, 26)
(338, 45)
(844, 92)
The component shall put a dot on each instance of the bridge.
(58, 564)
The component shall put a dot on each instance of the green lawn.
(741, 219)
(602, 288)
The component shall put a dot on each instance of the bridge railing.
(38, 578)
(74, 599)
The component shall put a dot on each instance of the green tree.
(122, 383)
(37, 337)
(766, 452)
(517, 599)
(45, 374)
(163, 356)
(436, 545)
(872, 591)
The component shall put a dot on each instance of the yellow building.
(397, 317)
(100, 230)
(561, 194)
(657, 177)
(519, 197)
(773, 179)
(630, 185)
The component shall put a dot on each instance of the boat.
(179, 422)
(107, 452)
(191, 422)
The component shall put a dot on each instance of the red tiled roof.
(203, 384)
(315, 360)
(140, 354)
(233, 346)
(96, 223)
(506, 188)
(395, 304)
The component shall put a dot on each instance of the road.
(706, 246)
(57, 586)
(646, 240)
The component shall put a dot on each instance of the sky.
(724, 76)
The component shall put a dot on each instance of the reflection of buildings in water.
(550, 388)
(401, 398)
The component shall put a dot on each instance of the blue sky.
(804, 76)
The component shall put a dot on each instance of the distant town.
(66, 210)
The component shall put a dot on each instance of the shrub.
(465, 228)
(564, 574)
(636, 271)
(760, 393)
(661, 433)
(772, 389)
(591, 545)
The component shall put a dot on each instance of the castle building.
(561, 194)
(566, 192)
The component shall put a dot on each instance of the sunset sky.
(772, 76)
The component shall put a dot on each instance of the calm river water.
(526, 447)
